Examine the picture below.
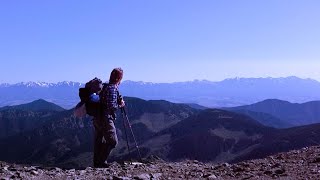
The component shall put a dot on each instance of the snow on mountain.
(43, 84)
(226, 93)
(280, 80)
(70, 83)
(128, 82)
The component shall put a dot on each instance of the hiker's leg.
(111, 138)
(99, 147)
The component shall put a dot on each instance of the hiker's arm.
(120, 100)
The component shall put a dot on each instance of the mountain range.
(289, 114)
(60, 137)
(173, 132)
(226, 93)
(20, 118)
(215, 135)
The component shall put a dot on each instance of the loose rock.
(142, 177)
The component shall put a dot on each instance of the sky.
(158, 40)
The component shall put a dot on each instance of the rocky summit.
(296, 164)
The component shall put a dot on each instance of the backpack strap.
(84, 94)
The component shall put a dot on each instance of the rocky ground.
(298, 164)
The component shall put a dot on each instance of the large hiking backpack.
(92, 107)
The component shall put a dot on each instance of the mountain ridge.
(170, 131)
(226, 93)
(18, 119)
(37, 105)
(64, 136)
(290, 113)
(43, 83)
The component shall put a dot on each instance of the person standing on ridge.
(105, 136)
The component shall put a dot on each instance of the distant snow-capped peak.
(43, 84)
(33, 84)
(236, 80)
(69, 83)
(137, 82)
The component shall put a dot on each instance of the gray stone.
(226, 165)
(82, 172)
(316, 160)
(120, 178)
(142, 177)
(71, 171)
(5, 178)
(276, 165)
(18, 174)
(33, 168)
(156, 176)
(12, 169)
(280, 171)
(33, 172)
(212, 176)
(238, 169)
(170, 167)
(89, 169)
(58, 169)
(206, 175)
(268, 172)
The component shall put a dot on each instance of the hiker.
(105, 136)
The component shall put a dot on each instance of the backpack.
(93, 107)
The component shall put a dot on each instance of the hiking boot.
(102, 165)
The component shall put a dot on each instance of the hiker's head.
(116, 76)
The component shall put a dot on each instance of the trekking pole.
(128, 122)
(125, 131)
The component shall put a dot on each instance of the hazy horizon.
(167, 82)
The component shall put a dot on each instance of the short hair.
(116, 76)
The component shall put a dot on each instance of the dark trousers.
(105, 139)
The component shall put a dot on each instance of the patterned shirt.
(109, 97)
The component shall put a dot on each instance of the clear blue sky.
(158, 40)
